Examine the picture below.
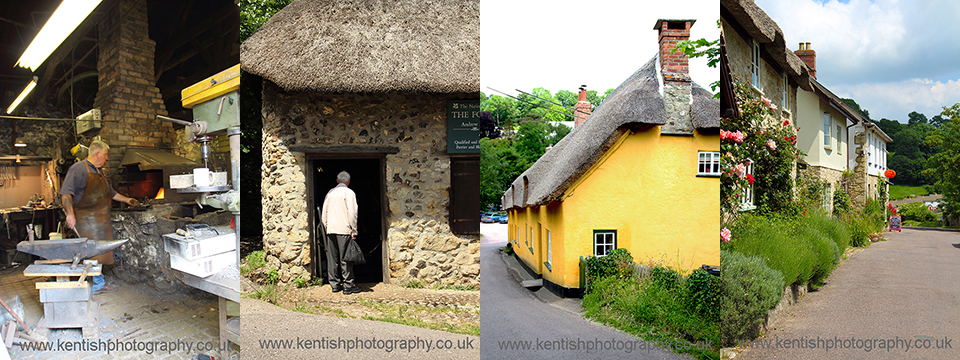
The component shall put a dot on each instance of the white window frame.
(746, 202)
(710, 160)
(549, 248)
(609, 241)
(839, 140)
(785, 96)
(827, 124)
(755, 65)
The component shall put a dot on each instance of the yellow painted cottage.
(641, 173)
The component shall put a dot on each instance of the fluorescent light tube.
(23, 95)
(68, 16)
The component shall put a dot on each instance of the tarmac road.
(509, 312)
(905, 290)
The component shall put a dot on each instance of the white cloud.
(894, 100)
(891, 56)
(562, 44)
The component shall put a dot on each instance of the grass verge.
(898, 192)
(652, 312)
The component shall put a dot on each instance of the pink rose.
(725, 235)
(771, 144)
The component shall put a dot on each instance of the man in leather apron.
(86, 200)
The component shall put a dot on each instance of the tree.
(853, 104)
(488, 126)
(891, 127)
(937, 121)
(944, 166)
(566, 98)
(916, 118)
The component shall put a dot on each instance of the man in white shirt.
(339, 218)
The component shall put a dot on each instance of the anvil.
(68, 248)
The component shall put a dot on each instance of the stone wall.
(420, 244)
(143, 258)
(833, 178)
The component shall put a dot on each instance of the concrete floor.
(189, 318)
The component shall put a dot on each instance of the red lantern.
(889, 174)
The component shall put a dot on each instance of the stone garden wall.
(420, 245)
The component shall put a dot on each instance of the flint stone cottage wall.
(421, 246)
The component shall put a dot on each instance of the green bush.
(253, 261)
(704, 293)
(802, 249)
(841, 202)
(750, 290)
(689, 312)
(664, 277)
(859, 231)
(916, 211)
(273, 276)
(618, 263)
(300, 282)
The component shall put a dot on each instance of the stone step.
(532, 283)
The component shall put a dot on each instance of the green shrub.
(704, 293)
(253, 261)
(841, 202)
(916, 211)
(618, 263)
(802, 249)
(750, 290)
(644, 309)
(273, 276)
(300, 282)
(664, 277)
(771, 238)
(413, 285)
(859, 231)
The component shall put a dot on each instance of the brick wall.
(127, 91)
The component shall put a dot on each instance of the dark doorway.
(366, 180)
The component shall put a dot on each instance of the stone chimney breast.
(675, 71)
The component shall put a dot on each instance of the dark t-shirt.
(75, 183)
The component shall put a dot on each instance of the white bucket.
(56, 236)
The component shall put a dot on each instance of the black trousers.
(339, 272)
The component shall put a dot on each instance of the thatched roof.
(369, 46)
(635, 103)
(762, 29)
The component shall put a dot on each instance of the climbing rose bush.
(758, 138)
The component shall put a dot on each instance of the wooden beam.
(60, 285)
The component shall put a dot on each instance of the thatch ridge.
(369, 46)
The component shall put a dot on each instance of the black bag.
(353, 254)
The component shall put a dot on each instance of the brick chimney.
(675, 70)
(582, 105)
(809, 57)
(128, 97)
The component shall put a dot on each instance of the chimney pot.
(583, 107)
(809, 57)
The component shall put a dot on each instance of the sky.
(560, 45)
(891, 56)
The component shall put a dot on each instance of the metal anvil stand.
(67, 302)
